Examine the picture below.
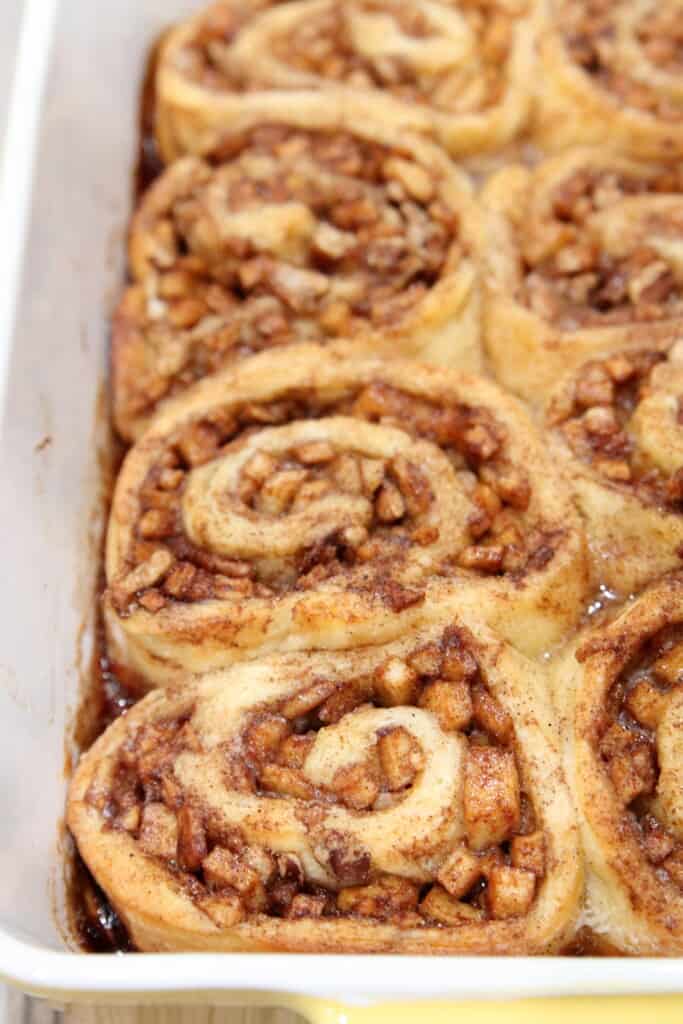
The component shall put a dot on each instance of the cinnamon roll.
(323, 498)
(581, 252)
(611, 72)
(294, 235)
(621, 696)
(460, 71)
(406, 798)
(617, 426)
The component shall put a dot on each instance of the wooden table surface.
(21, 1010)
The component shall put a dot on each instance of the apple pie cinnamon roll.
(460, 71)
(324, 498)
(611, 72)
(581, 252)
(406, 798)
(617, 426)
(621, 695)
(294, 235)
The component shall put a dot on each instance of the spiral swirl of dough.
(325, 498)
(619, 693)
(611, 69)
(459, 71)
(615, 424)
(656, 422)
(668, 803)
(428, 819)
(340, 802)
(580, 253)
(215, 518)
(293, 235)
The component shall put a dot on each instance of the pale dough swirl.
(579, 253)
(611, 72)
(430, 817)
(668, 802)
(215, 518)
(326, 498)
(403, 798)
(619, 693)
(457, 71)
(295, 235)
(615, 424)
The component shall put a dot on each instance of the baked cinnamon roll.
(318, 498)
(581, 252)
(461, 71)
(621, 695)
(617, 427)
(294, 235)
(406, 798)
(611, 73)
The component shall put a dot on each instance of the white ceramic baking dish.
(65, 200)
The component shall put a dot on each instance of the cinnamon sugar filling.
(573, 281)
(598, 415)
(297, 237)
(629, 748)
(491, 874)
(394, 494)
(590, 32)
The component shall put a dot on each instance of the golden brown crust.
(619, 693)
(294, 235)
(229, 535)
(611, 73)
(458, 71)
(615, 424)
(267, 807)
(579, 255)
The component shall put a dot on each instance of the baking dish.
(64, 204)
